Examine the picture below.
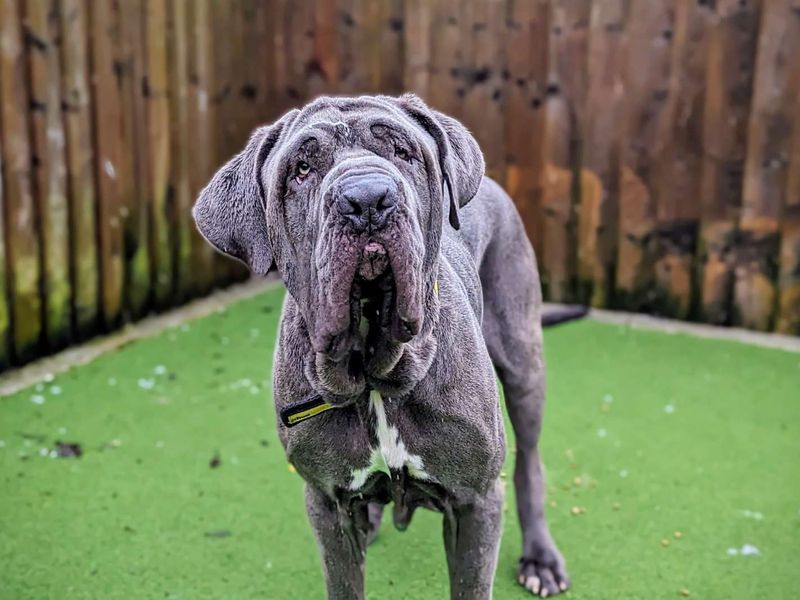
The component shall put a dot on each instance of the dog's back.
(494, 235)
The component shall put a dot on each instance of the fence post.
(789, 275)
(22, 233)
(645, 137)
(678, 192)
(526, 79)
(600, 177)
(767, 165)
(729, 86)
(563, 141)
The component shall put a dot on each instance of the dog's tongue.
(374, 261)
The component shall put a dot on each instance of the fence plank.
(254, 73)
(729, 82)
(645, 136)
(526, 64)
(391, 26)
(600, 176)
(789, 274)
(449, 71)
(417, 33)
(76, 107)
(766, 166)
(109, 164)
(157, 149)
(24, 265)
(42, 29)
(130, 43)
(564, 128)
(227, 77)
(201, 134)
(326, 53)
(179, 184)
(484, 102)
(5, 316)
(678, 211)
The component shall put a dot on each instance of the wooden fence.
(652, 147)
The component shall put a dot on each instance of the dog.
(411, 286)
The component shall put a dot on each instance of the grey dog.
(411, 284)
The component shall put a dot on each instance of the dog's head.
(346, 198)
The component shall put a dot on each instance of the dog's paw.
(543, 578)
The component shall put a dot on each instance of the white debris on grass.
(746, 550)
(242, 384)
(602, 433)
(146, 384)
(39, 387)
(753, 514)
(44, 451)
(623, 473)
(160, 370)
(37, 399)
(55, 390)
(62, 430)
(608, 398)
(2, 443)
(669, 409)
(49, 378)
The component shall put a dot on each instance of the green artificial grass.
(646, 435)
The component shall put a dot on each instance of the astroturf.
(673, 467)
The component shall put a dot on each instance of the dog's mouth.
(375, 317)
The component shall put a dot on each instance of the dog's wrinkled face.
(346, 197)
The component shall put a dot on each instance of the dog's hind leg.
(375, 514)
(513, 333)
(472, 539)
(342, 546)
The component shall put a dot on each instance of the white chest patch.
(391, 452)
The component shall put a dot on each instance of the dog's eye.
(402, 153)
(303, 168)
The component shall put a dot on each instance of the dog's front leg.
(472, 539)
(342, 546)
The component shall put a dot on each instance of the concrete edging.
(17, 379)
(732, 334)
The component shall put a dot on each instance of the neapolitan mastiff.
(397, 320)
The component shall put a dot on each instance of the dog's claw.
(544, 579)
(532, 584)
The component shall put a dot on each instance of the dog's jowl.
(411, 287)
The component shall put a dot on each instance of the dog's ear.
(231, 211)
(459, 154)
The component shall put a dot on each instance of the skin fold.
(411, 287)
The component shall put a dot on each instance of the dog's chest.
(388, 452)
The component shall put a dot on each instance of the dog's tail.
(555, 314)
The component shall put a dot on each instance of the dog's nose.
(367, 200)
